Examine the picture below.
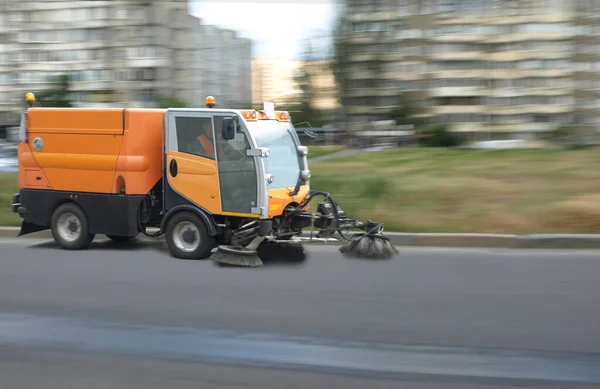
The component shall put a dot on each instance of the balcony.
(526, 73)
(526, 91)
(467, 127)
(525, 55)
(457, 91)
(148, 62)
(454, 109)
(365, 57)
(529, 109)
(369, 110)
(528, 37)
(467, 73)
(363, 75)
(373, 92)
(373, 16)
(497, 126)
(458, 56)
(459, 38)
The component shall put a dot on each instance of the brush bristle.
(369, 247)
(229, 259)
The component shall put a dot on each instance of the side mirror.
(229, 128)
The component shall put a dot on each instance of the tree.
(341, 63)
(58, 95)
(171, 102)
(406, 112)
(306, 111)
(440, 135)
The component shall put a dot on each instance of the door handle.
(173, 168)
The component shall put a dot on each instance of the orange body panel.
(92, 150)
(197, 179)
(30, 174)
(280, 198)
(107, 121)
(139, 166)
(77, 162)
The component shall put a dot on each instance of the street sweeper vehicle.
(231, 185)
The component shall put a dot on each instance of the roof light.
(210, 102)
(30, 98)
(269, 110)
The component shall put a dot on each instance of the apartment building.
(586, 65)
(126, 53)
(492, 68)
(274, 80)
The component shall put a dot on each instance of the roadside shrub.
(440, 136)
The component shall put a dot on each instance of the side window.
(227, 149)
(237, 171)
(195, 136)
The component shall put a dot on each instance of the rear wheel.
(187, 237)
(70, 227)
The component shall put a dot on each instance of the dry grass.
(431, 190)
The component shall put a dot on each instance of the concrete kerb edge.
(546, 241)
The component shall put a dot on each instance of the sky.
(277, 27)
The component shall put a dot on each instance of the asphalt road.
(132, 317)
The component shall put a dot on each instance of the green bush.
(439, 135)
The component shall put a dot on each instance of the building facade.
(322, 83)
(274, 80)
(125, 53)
(492, 68)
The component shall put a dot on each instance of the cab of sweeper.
(262, 166)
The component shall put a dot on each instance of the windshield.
(283, 162)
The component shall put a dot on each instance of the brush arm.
(328, 220)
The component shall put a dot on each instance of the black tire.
(121, 239)
(199, 241)
(77, 227)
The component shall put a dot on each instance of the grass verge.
(320, 151)
(446, 190)
(9, 185)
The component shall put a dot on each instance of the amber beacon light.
(30, 98)
(210, 102)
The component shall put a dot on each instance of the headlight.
(270, 178)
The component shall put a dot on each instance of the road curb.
(544, 241)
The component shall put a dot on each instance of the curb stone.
(544, 241)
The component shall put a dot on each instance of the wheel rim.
(69, 227)
(186, 236)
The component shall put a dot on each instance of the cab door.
(220, 178)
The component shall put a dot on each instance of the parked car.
(8, 158)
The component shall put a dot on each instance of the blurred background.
(414, 76)
(484, 69)
(431, 116)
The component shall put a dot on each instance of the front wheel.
(70, 227)
(187, 237)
